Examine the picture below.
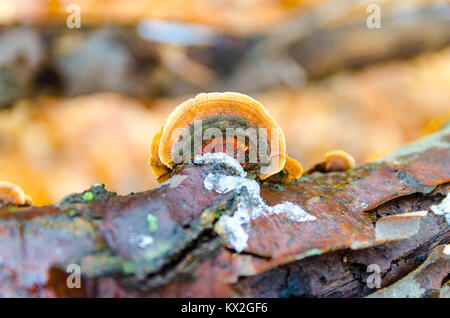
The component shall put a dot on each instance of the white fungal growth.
(250, 205)
(142, 241)
(237, 236)
(220, 157)
(225, 184)
(254, 203)
(446, 250)
(443, 208)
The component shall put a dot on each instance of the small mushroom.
(292, 170)
(158, 168)
(13, 194)
(208, 120)
(338, 160)
(335, 160)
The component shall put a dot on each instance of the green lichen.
(88, 196)
(159, 249)
(128, 267)
(152, 223)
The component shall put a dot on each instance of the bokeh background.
(80, 106)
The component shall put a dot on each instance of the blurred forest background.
(79, 106)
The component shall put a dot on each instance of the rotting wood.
(164, 242)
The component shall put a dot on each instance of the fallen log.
(142, 60)
(336, 36)
(313, 237)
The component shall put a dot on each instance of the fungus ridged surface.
(232, 123)
(158, 168)
(292, 170)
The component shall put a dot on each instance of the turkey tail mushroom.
(231, 123)
(13, 194)
(292, 170)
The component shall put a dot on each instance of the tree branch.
(170, 240)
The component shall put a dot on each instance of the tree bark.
(168, 241)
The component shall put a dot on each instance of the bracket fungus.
(231, 123)
(13, 194)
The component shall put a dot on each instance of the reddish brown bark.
(361, 219)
